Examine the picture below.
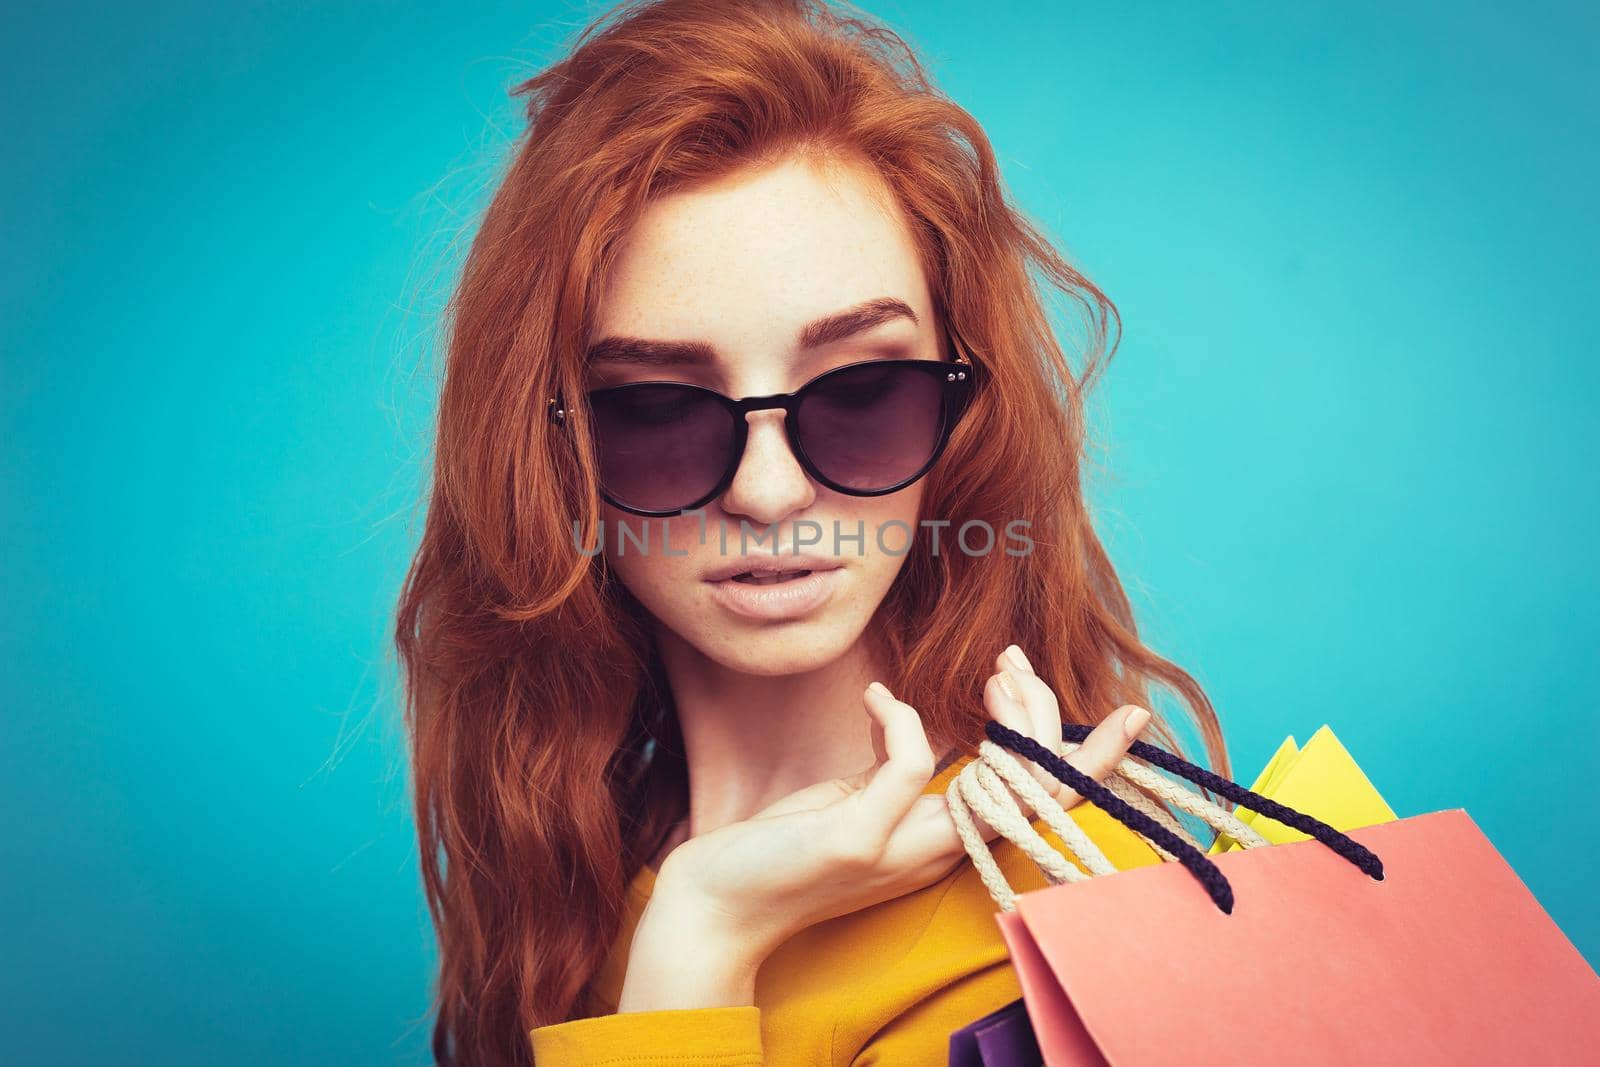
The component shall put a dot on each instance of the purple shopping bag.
(1003, 1038)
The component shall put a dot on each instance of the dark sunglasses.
(865, 429)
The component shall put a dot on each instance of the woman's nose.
(769, 482)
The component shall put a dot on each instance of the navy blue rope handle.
(1215, 882)
(1357, 854)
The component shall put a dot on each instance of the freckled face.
(743, 265)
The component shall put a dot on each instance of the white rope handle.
(1021, 832)
(979, 787)
(988, 870)
(1009, 767)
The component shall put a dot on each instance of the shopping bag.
(1003, 1038)
(1410, 941)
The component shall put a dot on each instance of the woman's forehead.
(752, 259)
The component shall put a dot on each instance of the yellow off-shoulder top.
(882, 985)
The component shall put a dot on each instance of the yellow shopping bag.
(1321, 780)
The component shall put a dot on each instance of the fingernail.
(880, 688)
(1015, 657)
(1134, 721)
(1009, 687)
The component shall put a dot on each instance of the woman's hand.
(734, 894)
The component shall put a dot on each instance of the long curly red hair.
(545, 757)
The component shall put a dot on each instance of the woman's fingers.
(1021, 700)
(1044, 710)
(1104, 748)
(880, 749)
(811, 797)
(1098, 756)
(907, 766)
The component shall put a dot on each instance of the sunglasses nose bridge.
(775, 401)
(763, 403)
(780, 424)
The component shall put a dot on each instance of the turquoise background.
(1345, 444)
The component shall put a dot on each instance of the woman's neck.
(750, 739)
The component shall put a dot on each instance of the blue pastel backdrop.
(1348, 455)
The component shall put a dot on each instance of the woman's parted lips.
(771, 563)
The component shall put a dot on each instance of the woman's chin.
(772, 651)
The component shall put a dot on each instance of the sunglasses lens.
(661, 447)
(872, 427)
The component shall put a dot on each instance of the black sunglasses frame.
(958, 376)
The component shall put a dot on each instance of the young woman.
(756, 493)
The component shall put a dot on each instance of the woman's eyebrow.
(854, 320)
(638, 351)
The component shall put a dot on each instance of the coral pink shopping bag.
(1447, 960)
